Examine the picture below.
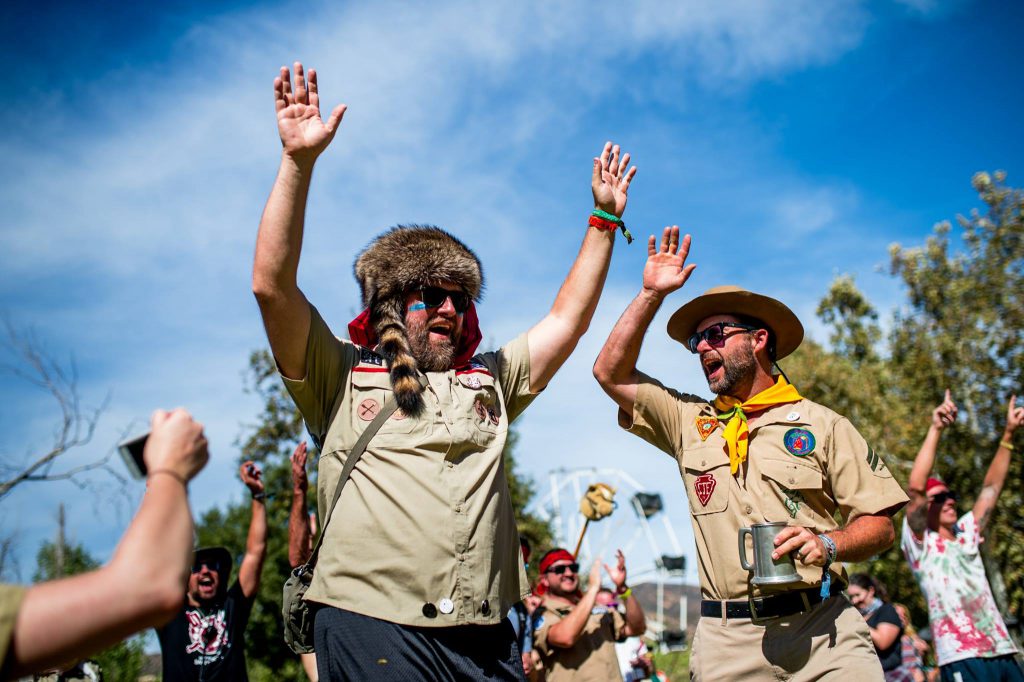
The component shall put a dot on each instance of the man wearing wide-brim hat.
(758, 453)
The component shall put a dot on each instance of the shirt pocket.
(483, 410)
(370, 391)
(706, 473)
(798, 488)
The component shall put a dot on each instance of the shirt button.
(429, 610)
(792, 480)
(748, 509)
(446, 606)
(703, 463)
(449, 464)
(485, 608)
(458, 507)
(462, 557)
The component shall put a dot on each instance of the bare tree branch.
(76, 424)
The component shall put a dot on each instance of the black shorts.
(351, 646)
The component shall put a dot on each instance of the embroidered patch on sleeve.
(706, 426)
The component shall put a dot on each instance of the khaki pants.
(830, 642)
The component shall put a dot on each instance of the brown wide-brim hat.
(732, 300)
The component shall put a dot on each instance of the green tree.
(959, 328)
(120, 663)
(270, 441)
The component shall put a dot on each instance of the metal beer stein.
(766, 570)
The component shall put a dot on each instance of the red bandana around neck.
(361, 332)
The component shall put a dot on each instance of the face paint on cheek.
(418, 306)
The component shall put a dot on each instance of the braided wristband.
(830, 556)
(603, 220)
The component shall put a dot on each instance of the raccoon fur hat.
(398, 260)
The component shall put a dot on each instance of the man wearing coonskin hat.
(759, 452)
(417, 572)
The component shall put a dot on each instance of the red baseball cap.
(934, 483)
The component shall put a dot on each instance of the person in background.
(971, 639)
(868, 596)
(205, 641)
(301, 529)
(46, 625)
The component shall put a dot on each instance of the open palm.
(303, 132)
(666, 269)
(610, 182)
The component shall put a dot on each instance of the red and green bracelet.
(603, 220)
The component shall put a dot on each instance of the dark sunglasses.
(212, 565)
(559, 570)
(434, 297)
(940, 498)
(715, 335)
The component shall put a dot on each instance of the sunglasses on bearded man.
(559, 570)
(434, 297)
(715, 334)
(210, 564)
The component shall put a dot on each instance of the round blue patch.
(799, 442)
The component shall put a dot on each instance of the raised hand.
(252, 477)
(303, 133)
(610, 181)
(595, 575)
(617, 574)
(944, 414)
(299, 480)
(1014, 415)
(176, 444)
(666, 269)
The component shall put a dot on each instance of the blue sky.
(795, 140)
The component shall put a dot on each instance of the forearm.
(925, 460)
(298, 530)
(863, 538)
(567, 631)
(279, 241)
(615, 366)
(255, 550)
(635, 620)
(141, 587)
(995, 477)
(555, 337)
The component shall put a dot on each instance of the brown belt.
(774, 606)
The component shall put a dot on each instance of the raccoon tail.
(394, 346)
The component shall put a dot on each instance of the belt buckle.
(754, 617)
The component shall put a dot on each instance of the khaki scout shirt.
(11, 597)
(804, 483)
(592, 657)
(424, 533)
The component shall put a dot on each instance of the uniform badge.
(369, 357)
(706, 426)
(471, 382)
(792, 500)
(368, 409)
(799, 442)
(704, 485)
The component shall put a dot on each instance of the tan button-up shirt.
(11, 597)
(592, 658)
(424, 532)
(805, 463)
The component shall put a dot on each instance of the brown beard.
(430, 356)
(739, 368)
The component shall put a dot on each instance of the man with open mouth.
(205, 641)
(759, 452)
(416, 574)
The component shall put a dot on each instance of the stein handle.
(743, 550)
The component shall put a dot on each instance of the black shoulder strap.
(358, 449)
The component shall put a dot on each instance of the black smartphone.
(131, 452)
